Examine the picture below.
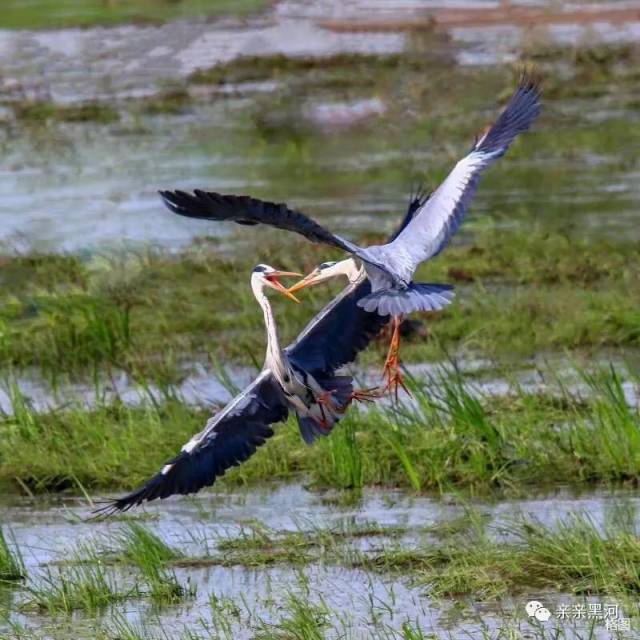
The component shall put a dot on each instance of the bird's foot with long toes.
(325, 400)
(394, 377)
(391, 370)
(366, 395)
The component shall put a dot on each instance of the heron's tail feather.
(418, 296)
(322, 417)
(311, 428)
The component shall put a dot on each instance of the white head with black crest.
(264, 275)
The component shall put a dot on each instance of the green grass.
(452, 436)
(44, 112)
(84, 582)
(48, 14)
(613, 440)
(343, 71)
(79, 586)
(143, 548)
(138, 545)
(302, 620)
(575, 556)
(11, 562)
(94, 448)
(145, 312)
(260, 546)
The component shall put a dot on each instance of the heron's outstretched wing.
(440, 216)
(228, 439)
(210, 205)
(415, 202)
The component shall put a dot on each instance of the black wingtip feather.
(209, 205)
(236, 438)
(522, 109)
(416, 199)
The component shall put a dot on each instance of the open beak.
(273, 281)
(308, 281)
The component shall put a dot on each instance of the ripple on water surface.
(47, 530)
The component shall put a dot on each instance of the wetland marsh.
(511, 474)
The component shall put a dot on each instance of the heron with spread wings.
(299, 379)
(389, 267)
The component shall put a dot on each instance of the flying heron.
(389, 267)
(332, 339)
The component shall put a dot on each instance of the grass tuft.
(151, 555)
(11, 562)
(139, 545)
(302, 620)
(78, 586)
(574, 556)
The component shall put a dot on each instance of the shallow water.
(202, 386)
(48, 530)
(86, 186)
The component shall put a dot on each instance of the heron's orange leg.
(392, 364)
(324, 400)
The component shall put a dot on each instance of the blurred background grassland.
(55, 14)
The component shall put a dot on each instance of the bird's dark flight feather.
(229, 443)
(415, 202)
(209, 205)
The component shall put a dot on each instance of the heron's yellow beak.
(308, 281)
(273, 281)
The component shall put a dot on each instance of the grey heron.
(389, 267)
(299, 379)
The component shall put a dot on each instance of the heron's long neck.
(352, 270)
(274, 352)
